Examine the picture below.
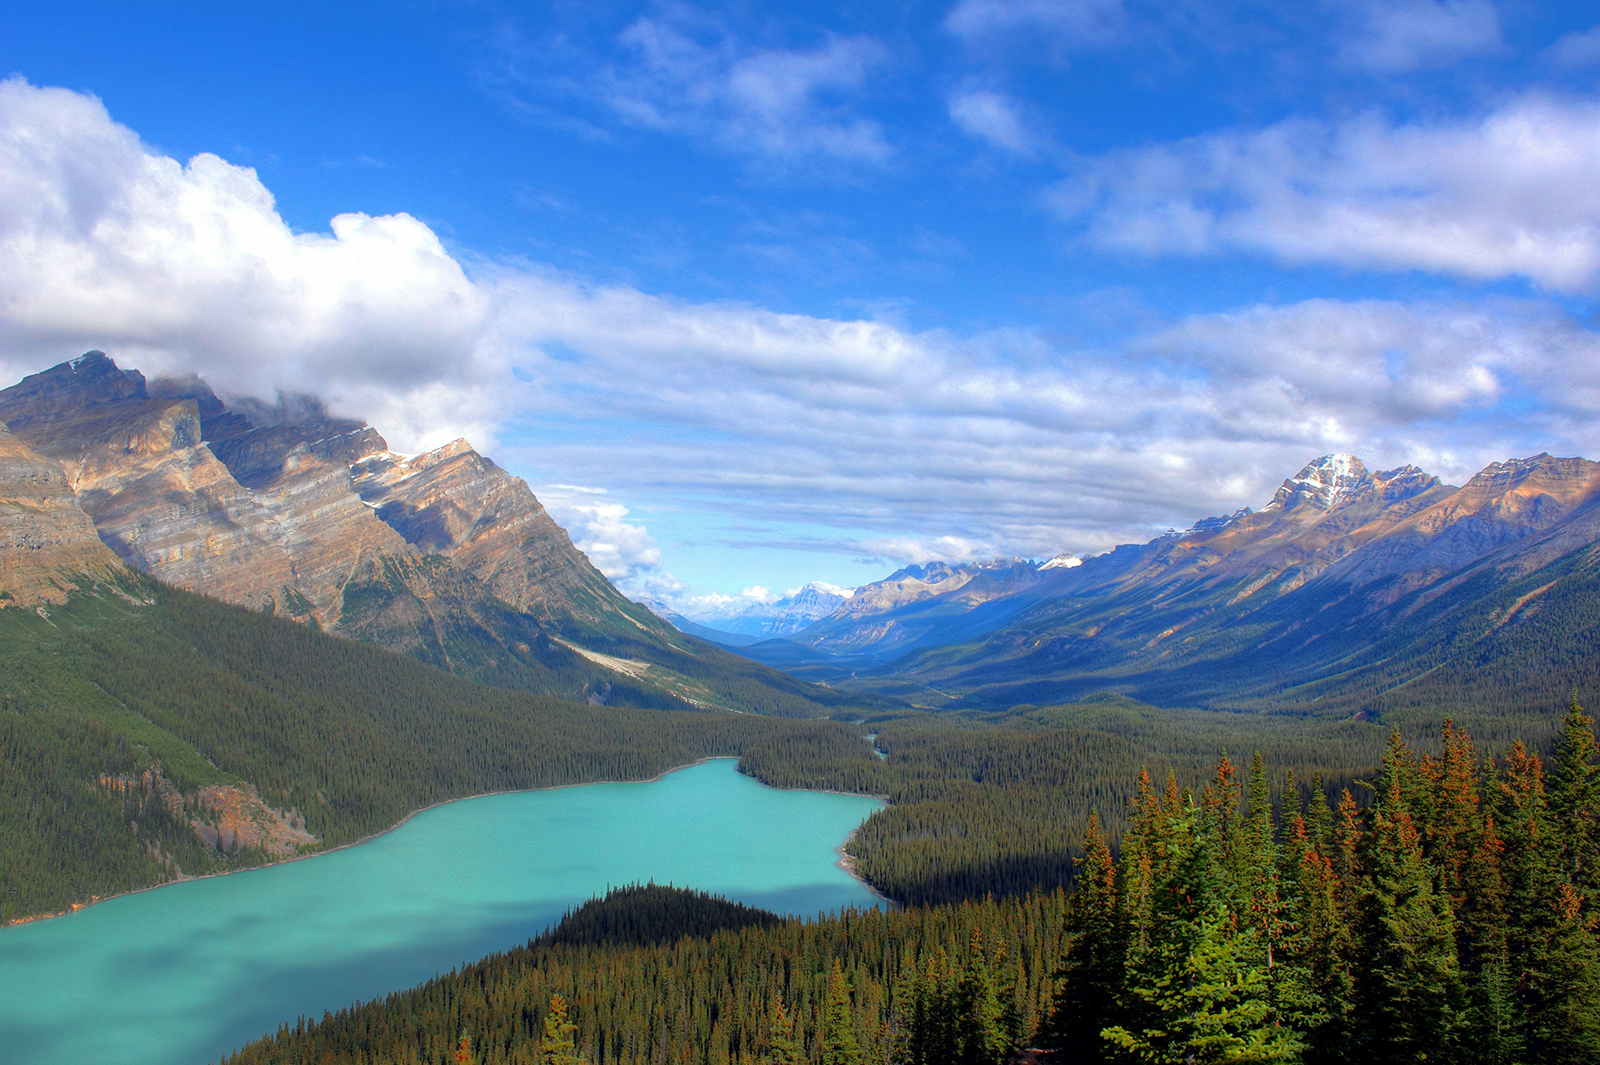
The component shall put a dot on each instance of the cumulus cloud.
(622, 551)
(1510, 194)
(911, 445)
(104, 243)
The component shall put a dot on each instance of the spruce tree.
(978, 1012)
(1555, 970)
(1199, 990)
(1409, 995)
(1089, 981)
(782, 1047)
(838, 1045)
(1574, 797)
(558, 1047)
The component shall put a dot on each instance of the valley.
(238, 637)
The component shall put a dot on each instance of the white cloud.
(789, 107)
(105, 244)
(1508, 195)
(913, 445)
(620, 550)
(1399, 36)
(992, 117)
(908, 550)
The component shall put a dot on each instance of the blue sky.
(761, 294)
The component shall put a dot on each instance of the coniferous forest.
(1446, 915)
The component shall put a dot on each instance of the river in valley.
(185, 973)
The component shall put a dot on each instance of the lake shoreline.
(846, 862)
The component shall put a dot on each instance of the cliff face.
(47, 543)
(452, 501)
(292, 511)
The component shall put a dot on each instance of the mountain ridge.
(289, 510)
(1233, 612)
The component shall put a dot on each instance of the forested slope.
(147, 733)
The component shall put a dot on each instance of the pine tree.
(1200, 989)
(839, 1045)
(1089, 981)
(782, 1047)
(1320, 940)
(463, 1054)
(1554, 966)
(558, 1046)
(1319, 817)
(1409, 995)
(978, 1013)
(1564, 1023)
(1574, 797)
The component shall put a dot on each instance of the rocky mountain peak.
(1402, 483)
(1537, 471)
(69, 388)
(1323, 484)
(1221, 521)
(286, 507)
(1062, 561)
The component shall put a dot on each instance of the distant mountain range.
(739, 625)
(443, 556)
(1350, 592)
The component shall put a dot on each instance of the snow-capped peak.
(1323, 483)
(1062, 561)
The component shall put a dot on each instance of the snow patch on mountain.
(1062, 562)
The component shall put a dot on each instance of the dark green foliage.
(999, 803)
(645, 915)
(1222, 932)
(1408, 933)
(863, 987)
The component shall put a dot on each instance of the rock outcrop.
(48, 545)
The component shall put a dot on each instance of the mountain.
(1351, 591)
(149, 734)
(48, 545)
(291, 511)
(766, 621)
(918, 603)
(695, 629)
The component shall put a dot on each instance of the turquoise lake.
(183, 974)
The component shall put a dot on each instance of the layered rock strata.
(48, 545)
(294, 511)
